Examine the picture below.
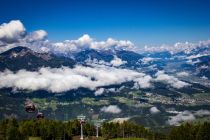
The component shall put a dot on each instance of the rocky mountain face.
(24, 58)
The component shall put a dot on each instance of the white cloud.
(146, 60)
(154, 110)
(120, 120)
(204, 67)
(201, 113)
(117, 61)
(111, 90)
(191, 62)
(173, 111)
(183, 74)
(187, 116)
(12, 31)
(99, 91)
(119, 43)
(185, 47)
(204, 77)
(143, 82)
(197, 56)
(37, 35)
(86, 42)
(95, 61)
(64, 79)
(171, 80)
(13, 34)
(111, 109)
(181, 117)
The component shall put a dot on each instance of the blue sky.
(144, 22)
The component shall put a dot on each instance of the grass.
(87, 138)
(129, 139)
(34, 138)
(100, 138)
(201, 96)
(43, 104)
(94, 102)
(127, 101)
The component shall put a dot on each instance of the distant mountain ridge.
(24, 58)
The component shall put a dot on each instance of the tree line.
(11, 129)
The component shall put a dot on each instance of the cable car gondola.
(40, 115)
(30, 107)
(82, 121)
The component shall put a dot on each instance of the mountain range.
(153, 88)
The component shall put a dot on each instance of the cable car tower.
(81, 119)
(97, 124)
